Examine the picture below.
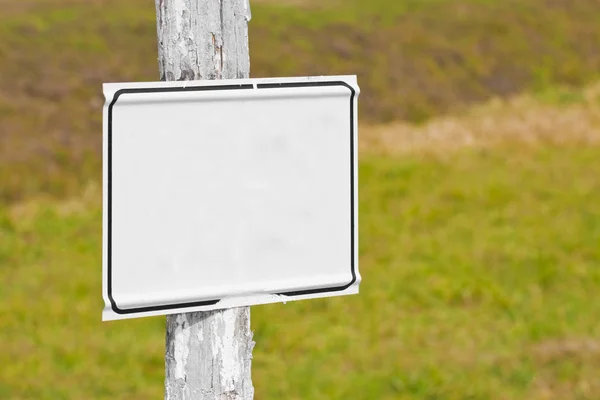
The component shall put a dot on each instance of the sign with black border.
(307, 109)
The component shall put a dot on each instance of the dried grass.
(523, 120)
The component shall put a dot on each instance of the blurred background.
(479, 201)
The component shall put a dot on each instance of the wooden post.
(208, 355)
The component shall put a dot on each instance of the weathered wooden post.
(220, 196)
(208, 354)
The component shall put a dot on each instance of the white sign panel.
(228, 193)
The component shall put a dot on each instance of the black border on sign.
(120, 92)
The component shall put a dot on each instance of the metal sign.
(228, 193)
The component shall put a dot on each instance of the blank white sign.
(228, 193)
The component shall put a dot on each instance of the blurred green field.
(480, 282)
(479, 226)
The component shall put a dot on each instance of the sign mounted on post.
(228, 193)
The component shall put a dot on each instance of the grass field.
(479, 226)
(414, 59)
(480, 277)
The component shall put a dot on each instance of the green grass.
(480, 270)
(480, 267)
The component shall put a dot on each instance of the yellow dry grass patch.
(523, 120)
(24, 213)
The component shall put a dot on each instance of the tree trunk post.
(208, 355)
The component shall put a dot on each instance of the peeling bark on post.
(203, 39)
(208, 354)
